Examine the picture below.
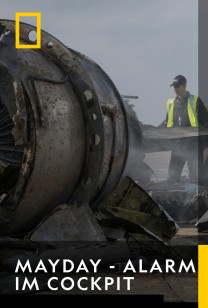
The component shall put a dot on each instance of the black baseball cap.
(178, 80)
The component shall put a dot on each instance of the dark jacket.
(181, 110)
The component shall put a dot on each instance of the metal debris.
(130, 207)
(68, 223)
(197, 206)
(202, 224)
(71, 123)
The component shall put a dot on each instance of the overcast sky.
(140, 44)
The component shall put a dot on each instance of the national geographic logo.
(17, 32)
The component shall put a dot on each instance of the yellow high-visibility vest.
(191, 111)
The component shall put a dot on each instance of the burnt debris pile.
(72, 166)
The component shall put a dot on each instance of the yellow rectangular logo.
(202, 276)
(17, 31)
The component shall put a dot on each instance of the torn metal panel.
(202, 224)
(132, 208)
(68, 223)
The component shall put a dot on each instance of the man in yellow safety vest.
(184, 110)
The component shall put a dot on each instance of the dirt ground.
(181, 287)
(174, 287)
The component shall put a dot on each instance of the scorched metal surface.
(70, 122)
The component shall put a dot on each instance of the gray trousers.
(194, 158)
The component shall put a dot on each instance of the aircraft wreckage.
(67, 141)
